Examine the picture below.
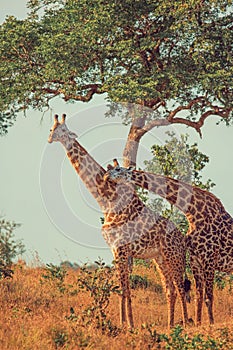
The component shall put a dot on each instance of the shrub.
(100, 284)
(9, 247)
(56, 274)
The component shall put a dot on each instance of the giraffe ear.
(72, 135)
(115, 163)
(110, 167)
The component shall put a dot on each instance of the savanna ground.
(49, 308)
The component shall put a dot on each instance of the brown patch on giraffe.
(172, 185)
(70, 154)
(76, 151)
(170, 196)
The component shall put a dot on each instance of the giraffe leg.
(209, 295)
(126, 305)
(169, 288)
(130, 311)
(199, 301)
(179, 284)
(171, 294)
(199, 287)
(176, 274)
(199, 284)
(126, 313)
(184, 307)
(123, 309)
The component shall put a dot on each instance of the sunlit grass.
(36, 313)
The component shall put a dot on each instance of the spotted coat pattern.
(210, 236)
(130, 228)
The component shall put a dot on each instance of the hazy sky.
(40, 189)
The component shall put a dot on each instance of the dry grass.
(35, 314)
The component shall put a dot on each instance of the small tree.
(9, 247)
(184, 162)
(100, 284)
(179, 160)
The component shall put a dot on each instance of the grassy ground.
(48, 309)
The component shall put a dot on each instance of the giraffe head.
(118, 174)
(59, 131)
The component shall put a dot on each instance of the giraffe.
(209, 239)
(130, 228)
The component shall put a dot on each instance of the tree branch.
(139, 129)
(93, 89)
(197, 125)
(90, 89)
(173, 113)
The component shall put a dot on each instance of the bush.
(56, 275)
(100, 285)
(9, 247)
(181, 341)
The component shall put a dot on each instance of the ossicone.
(63, 118)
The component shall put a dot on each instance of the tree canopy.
(174, 57)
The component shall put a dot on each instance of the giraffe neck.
(90, 172)
(174, 191)
(198, 205)
(112, 199)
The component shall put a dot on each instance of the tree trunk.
(138, 128)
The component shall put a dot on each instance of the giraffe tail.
(187, 289)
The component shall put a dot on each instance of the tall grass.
(48, 308)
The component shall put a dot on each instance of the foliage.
(142, 262)
(143, 282)
(100, 284)
(5, 272)
(137, 281)
(180, 341)
(222, 279)
(9, 247)
(55, 274)
(177, 340)
(60, 338)
(182, 161)
(172, 56)
(69, 265)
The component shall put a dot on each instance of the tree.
(179, 160)
(9, 247)
(172, 59)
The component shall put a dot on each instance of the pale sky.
(40, 189)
